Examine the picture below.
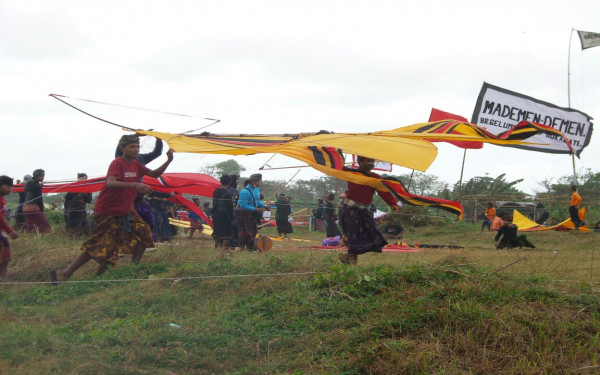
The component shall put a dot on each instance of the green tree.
(588, 185)
(229, 167)
(488, 186)
(225, 167)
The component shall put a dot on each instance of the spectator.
(6, 184)
(76, 210)
(282, 216)
(222, 214)
(33, 207)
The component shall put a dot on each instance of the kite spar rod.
(461, 174)
(56, 96)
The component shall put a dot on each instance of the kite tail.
(397, 188)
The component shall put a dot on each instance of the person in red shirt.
(118, 228)
(6, 184)
(361, 234)
(574, 207)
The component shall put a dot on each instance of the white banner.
(379, 165)
(589, 39)
(498, 110)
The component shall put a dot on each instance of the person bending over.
(507, 236)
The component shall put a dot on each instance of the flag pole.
(461, 175)
(410, 180)
(569, 98)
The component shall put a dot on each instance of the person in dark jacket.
(222, 214)
(331, 217)
(76, 210)
(282, 215)
(20, 220)
(145, 158)
(33, 207)
(319, 215)
(507, 236)
(161, 209)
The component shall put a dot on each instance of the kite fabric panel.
(528, 225)
(410, 153)
(452, 131)
(327, 159)
(409, 147)
(179, 183)
(437, 115)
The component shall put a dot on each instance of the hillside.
(191, 309)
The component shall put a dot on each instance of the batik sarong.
(319, 224)
(35, 219)
(247, 228)
(362, 232)
(5, 250)
(116, 234)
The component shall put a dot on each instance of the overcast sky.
(280, 66)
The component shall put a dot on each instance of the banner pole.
(574, 171)
(410, 180)
(569, 68)
(461, 175)
(569, 98)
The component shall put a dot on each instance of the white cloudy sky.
(282, 66)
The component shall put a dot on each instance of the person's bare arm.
(158, 171)
(113, 183)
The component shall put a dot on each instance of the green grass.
(438, 311)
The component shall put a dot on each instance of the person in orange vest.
(489, 214)
(574, 207)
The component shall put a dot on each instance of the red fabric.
(188, 183)
(179, 199)
(117, 202)
(437, 115)
(182, 183)
(364, 194)
(3, 224)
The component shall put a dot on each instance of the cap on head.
(255, 177)
(5, 180)
(362, 159)
(225, 180)
(38, 172)
(27, 178)
(128, 139)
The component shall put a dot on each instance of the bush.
(419, 216)
(55, 217)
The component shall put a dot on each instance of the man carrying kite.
(361, 234)
(117, 225)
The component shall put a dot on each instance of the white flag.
(589, 39)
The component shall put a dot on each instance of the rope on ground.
(176, 279)
(508, 265)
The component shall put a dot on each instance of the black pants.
(574, 212)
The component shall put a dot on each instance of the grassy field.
(191, 309)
